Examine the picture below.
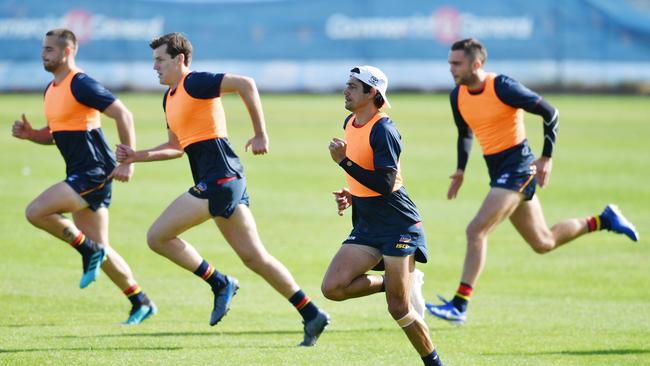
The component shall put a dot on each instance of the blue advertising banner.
(295, 45)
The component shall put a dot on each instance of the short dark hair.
(379, 99)
(176, 43)
(472, 48)
(65, 37)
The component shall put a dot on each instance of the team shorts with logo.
(224, 194)
(397, 244)
(512, 169)
(93, 186)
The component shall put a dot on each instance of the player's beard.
(51, 66)
(462, 80)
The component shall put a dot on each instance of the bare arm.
(247, 90)
(169, 150)
(23, 130)
(124, 121)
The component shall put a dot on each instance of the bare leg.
(240, 231)
(346, 276)
(528, 219)
(95, 226)
(497, 206)
(397, 296)
(184, 213)
(45, 211)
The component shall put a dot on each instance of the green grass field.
(585, 304)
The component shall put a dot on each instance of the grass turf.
(586, 304)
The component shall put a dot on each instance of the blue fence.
(309, 45)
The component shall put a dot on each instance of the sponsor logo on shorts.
(401, 246)
(73, 177)
(201, 187)
(503, 179)
(405, 238)
(351, 237)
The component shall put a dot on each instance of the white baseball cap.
(373, 77)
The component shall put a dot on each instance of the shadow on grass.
(93, 349)
(592, 352)
(27, 325)
(227, 333)
(235, 333)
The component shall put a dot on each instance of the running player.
(73, 104)
(387, 230)
(491, 107)
(196, 125)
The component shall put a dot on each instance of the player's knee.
(541, 250)
(33, 214)
(397, 306)
(154, 240)
(544, 243)
(333, 294)
(474, 231)
(542, 247)
(332, 291)
(254, 262)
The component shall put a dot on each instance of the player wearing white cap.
(387, 230)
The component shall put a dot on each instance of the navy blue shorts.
(92, 186)
(409, 241)
(224, 194)
(512, 169)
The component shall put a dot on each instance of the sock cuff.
(303, 303)
(432, 358)
(299, 300)
(132, 291)
(593, 223)
(208, 272)
(464, 291)
(78, 240)
(205, 270)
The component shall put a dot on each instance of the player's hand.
(543, 165)
(259, 144)
(122, 172)
(456, 182)
(343, 199)
(125, 154)
(338, 149)
(22, 129)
